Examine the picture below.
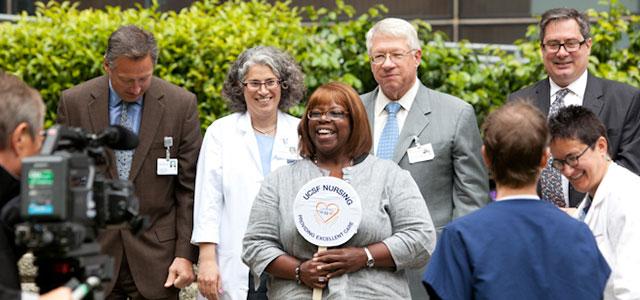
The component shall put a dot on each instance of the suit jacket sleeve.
(470, 183)
(62, 111)
(629, 151)
(187, 159)
(414, 235)
(9, 294)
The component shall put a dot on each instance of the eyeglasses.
(332, 115)
(569, 45)
(255, 85)
(395, 57)
(570, 160)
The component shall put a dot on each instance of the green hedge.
(62, 46)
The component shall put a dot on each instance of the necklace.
(349, 164)
(265, 131)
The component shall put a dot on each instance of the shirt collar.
(519, 197)
(578, 87)
(405, 101)
(114, 98)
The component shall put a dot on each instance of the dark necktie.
(585, 209)
(551, 179)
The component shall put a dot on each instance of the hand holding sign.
(310, 275)
(336, 262)
(327, 213)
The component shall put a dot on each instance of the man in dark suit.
(436, 135)
(566, 45)
(21, 118)
(157, 262)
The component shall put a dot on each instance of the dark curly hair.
(562, 13)
(577, 122)
(282, 65)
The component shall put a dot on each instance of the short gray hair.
(19, 103)
(281, 64)
(394, 27)
(556, 14)
(131, 42)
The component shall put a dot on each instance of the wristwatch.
(370, 260)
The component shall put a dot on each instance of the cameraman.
(21, 118)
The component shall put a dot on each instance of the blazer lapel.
(98, 107)
(285, 142)
(369, 101)
(543, 96)
(597, 204)
(417, 120)
(593, 95)
(244, 124)
(152, 111)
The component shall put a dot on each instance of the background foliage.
(62, 46)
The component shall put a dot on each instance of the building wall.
(478, 21)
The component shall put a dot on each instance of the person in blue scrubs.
(517, 247)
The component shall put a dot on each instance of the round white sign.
(327, 211)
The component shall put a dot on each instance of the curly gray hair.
(282, 65)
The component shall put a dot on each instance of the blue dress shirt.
(134, 111)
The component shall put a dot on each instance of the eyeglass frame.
(561, 45)
(568, 158)
(247, 84)
(391, 56)
(331, 115)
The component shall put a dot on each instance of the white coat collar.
(601, 193)
(285, 144)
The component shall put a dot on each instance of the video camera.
(66, 199)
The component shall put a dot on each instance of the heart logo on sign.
(327, 211)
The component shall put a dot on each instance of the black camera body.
(66, 200)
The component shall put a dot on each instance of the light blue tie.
(389, 136)
(124, 157)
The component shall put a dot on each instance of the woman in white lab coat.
(611, 207)
(237, 152)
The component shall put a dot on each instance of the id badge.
(420, 153)
(167, 166)
(288, 153)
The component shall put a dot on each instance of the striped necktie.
(124, 157)
(550, 178)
